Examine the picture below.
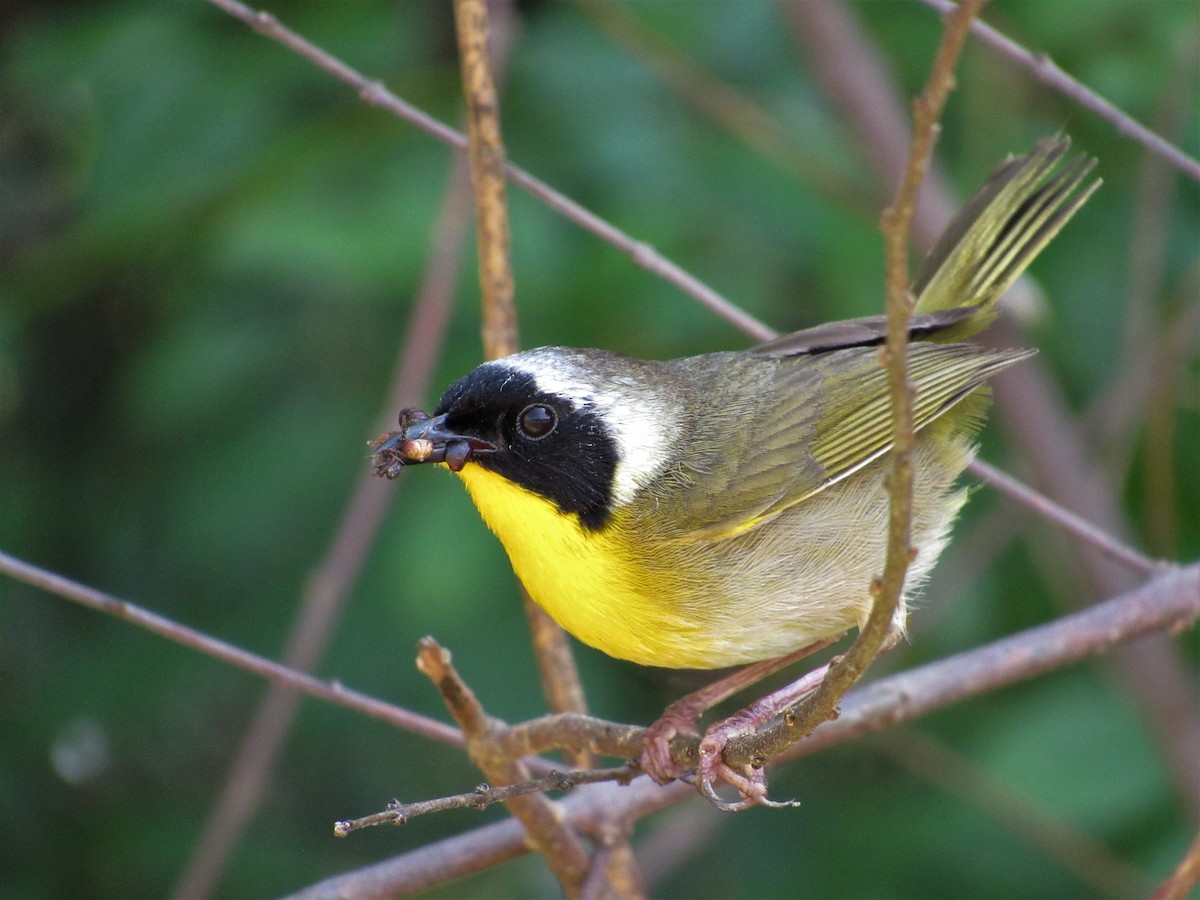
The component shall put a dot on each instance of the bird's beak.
(422, 439)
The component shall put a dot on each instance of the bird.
(729, 508)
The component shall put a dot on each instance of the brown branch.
(546, 833)
(844, 671)
(561, 684)
(1169, 602)
(482, 797)
(559, 675)
(1046, 71)
(486, 154)
(325, 596)
(332, 691)
(1034, 416)
(1068, 521)
(376, 94)
(466, 854)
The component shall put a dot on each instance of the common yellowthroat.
(728, 508)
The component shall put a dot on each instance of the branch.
(560, 677)
(1169, 602)
(799, 722)
(486, 155)
(332, 691)
(1046, 71)
(1036, 419)
(482, 797)
(546, 833)
(377, 94)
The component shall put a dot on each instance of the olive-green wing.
(818, 418)
(795, 415)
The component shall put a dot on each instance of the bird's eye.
(536, 421)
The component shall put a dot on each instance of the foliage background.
(207, 255)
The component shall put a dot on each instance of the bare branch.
(333, 691)
(1035, 417)
(1169, 602)
(1064, 518)
(546, 833)
(482, 797)
(486, 155)
(561, 684)
(376, 94)
(843, 672)
(1046, 71)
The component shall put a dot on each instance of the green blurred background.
(208, 253)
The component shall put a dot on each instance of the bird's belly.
(798, 578)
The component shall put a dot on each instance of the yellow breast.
(594, 584)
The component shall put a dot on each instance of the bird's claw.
(750, 783)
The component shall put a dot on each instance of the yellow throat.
(584, 580)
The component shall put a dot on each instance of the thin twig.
(482, 797)
(475, 851)
(1046, 71)
(559, 674)
(1034, 415)
(564, 853)
(376, 94)
(560, 679)
(1063, 518)
(799, 722)
(486, 154)
(332, 691)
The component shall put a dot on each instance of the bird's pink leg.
(681, 716)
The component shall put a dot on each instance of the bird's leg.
(751, 782)
(681, 716)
